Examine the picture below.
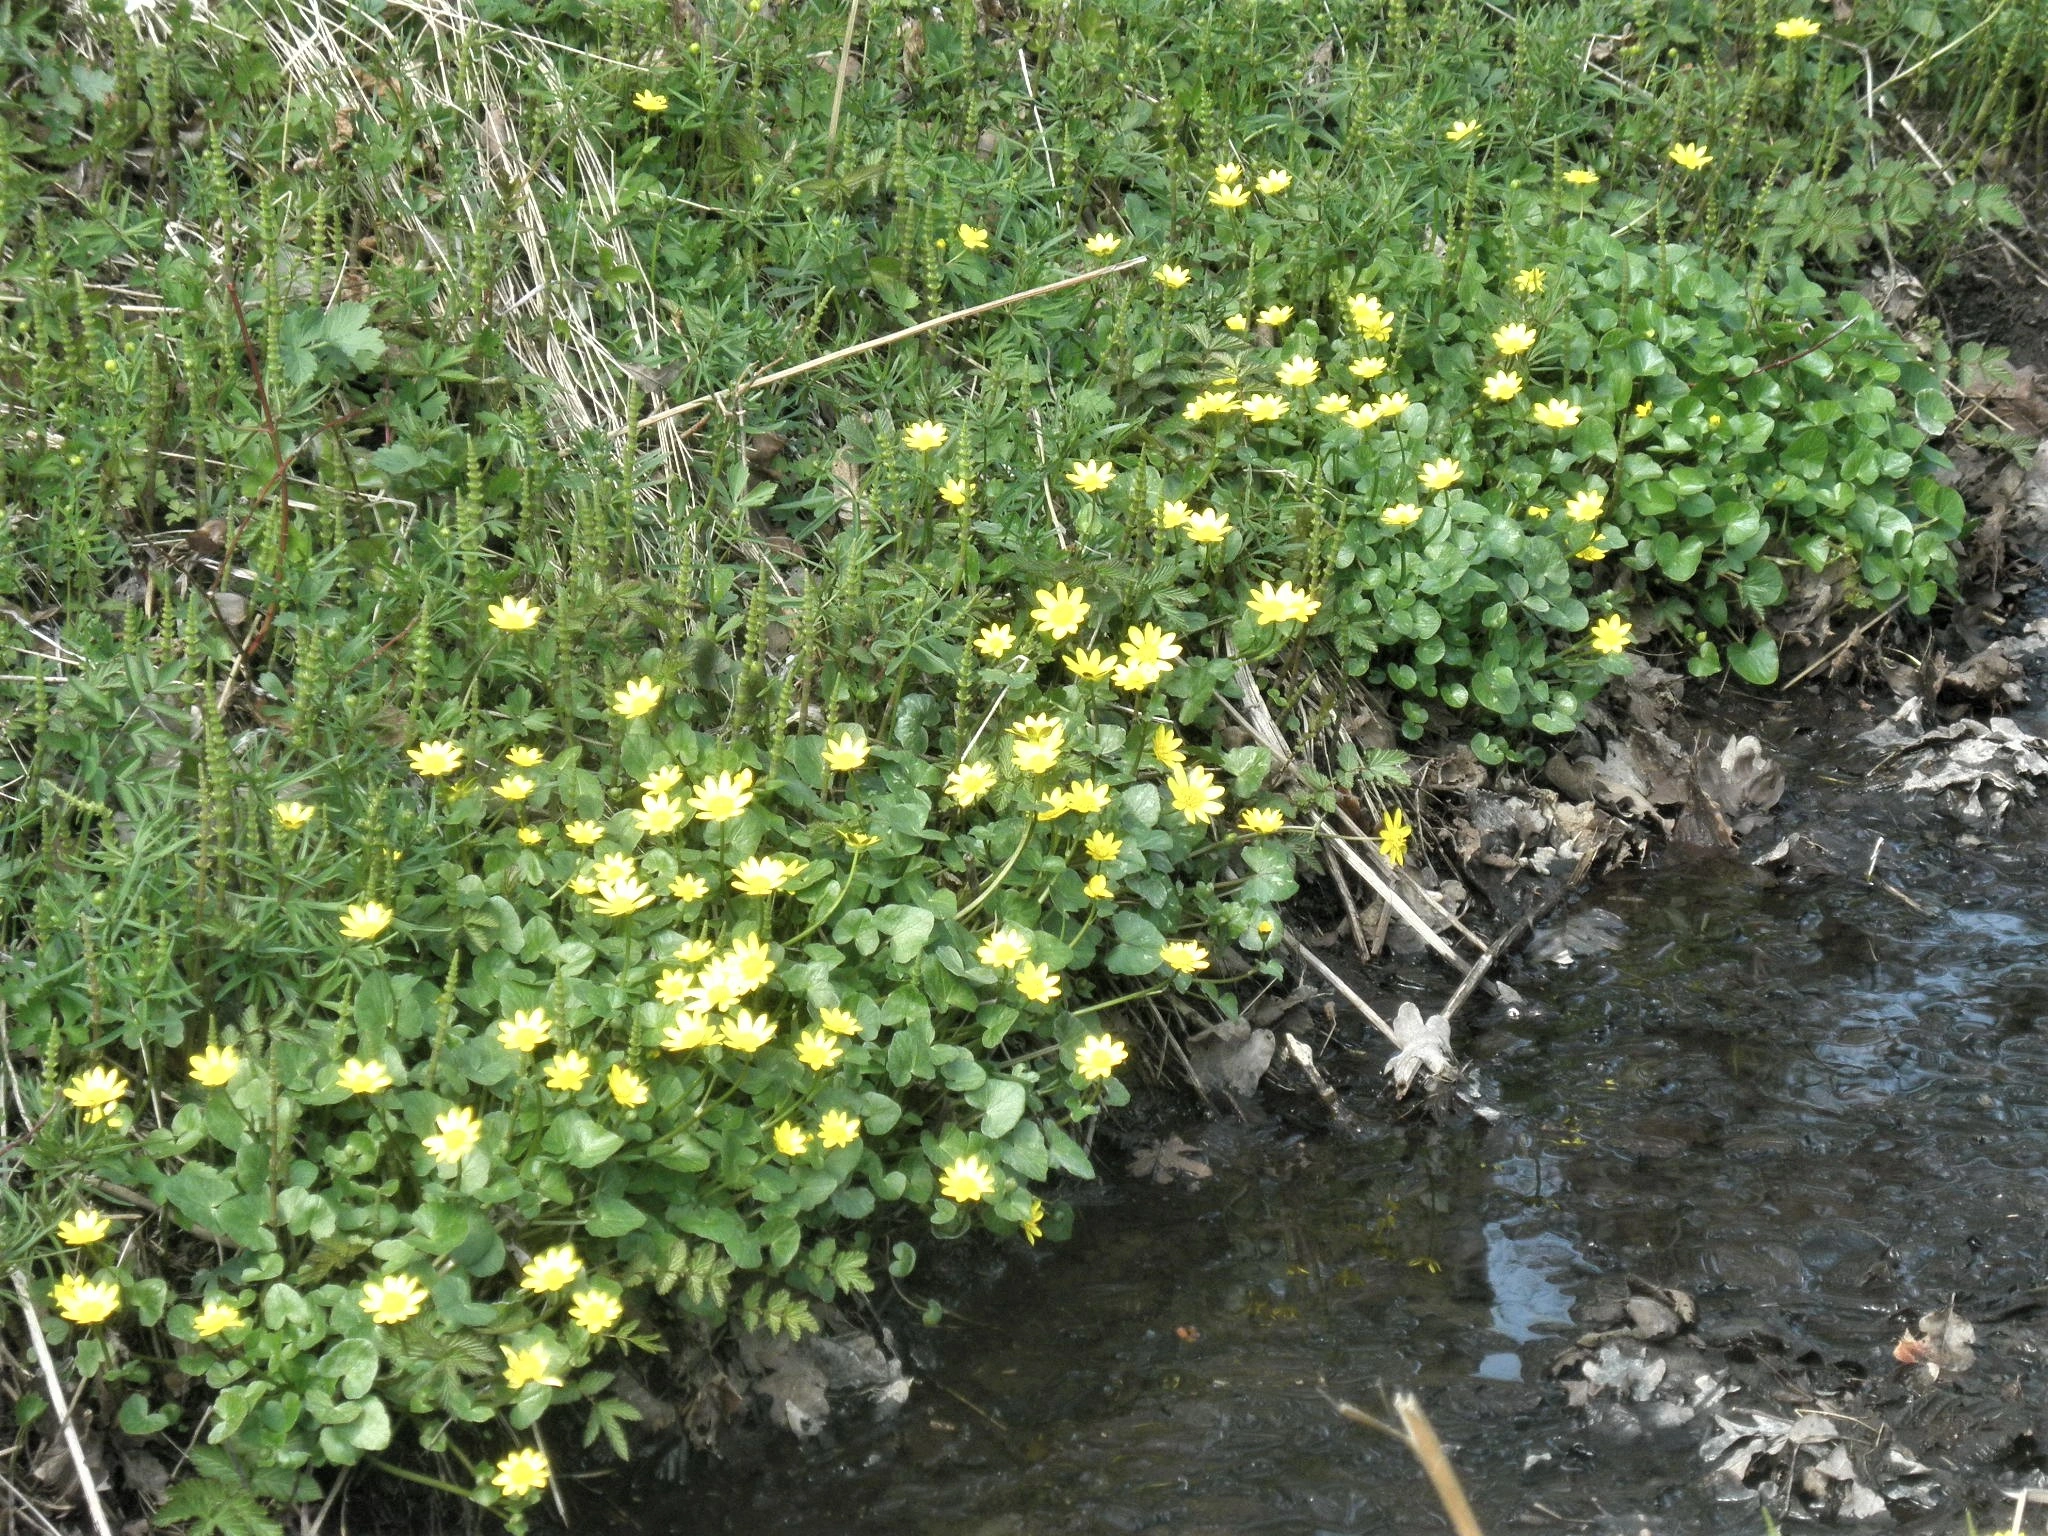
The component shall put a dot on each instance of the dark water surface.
(1800, 1099)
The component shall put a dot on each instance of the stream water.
(1816, 1108)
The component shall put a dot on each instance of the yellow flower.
(1644, 408)
(532, 837)
(583, 885)
(363, 1077)
(723, 796)
(1264, 407)
(1037, 756)
(1208, 526)
(969, 782)
(1690, 157)
(1237, 323)
(1585, 506)
(1502, 385)
(762, 876)
(1088, 476)
(1391, 405)
(846, 752)
(82, 1301)
(1333, 404)
(627, 1087)
(1299, 371)
(1103, 846)
(1440, 474)
(84, 1227)
(1085, 797)
(1541, 514)
(695, 951)
(583, 833)
(650, 102)
(1229, 195)
(662, 780)
(1262, 820)
(836, 1128)
(527, 1367)
(1611, 635)
(994, 641)
(1098, 1057)
(513, 614)
(524, 1471)
(924, 436)
(1797, 29)
(690, 1032)
(1394, 835)
(1033, 1225)
(292, 815)
(1401, 514)
(595, 1311)
(1513, 339)
(1102, 243)
(1060, 612)
(967, 1179)
(621, 897)
(513, 786)
(818, 1050)
(1282, 604)
(550, 1270)
(1149, 645)
(688, 888)
(1229, 171)
(1276, 314)
(1460, 131)
(1171, 277)
(1370, 318)
(1366, 367)
(1589, 553)
(1003, 949)
(96, 1090)
(1098, 888)
(1362, 416)
(1167, 748)
(1579, 176)
(567, 1072)
(840, 1021)
(1530, 280)
(746, 1032)
(434, 759)
(213, 1066)
(636, 698)
(972, 237)
(1210, 402)
(457, 1133)
(216, 1317)
(1274, 182)
(1088, 665)
(1555, 413)
(392, 1299)
(1039, 983)
(659, 815)
(955, 491)
(791, 1140)
(1195, 794)
(527, 1029)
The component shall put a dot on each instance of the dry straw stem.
(60, 1405)
(734, 391)
(1419, 1435)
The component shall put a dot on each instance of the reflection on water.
(1810, 1103)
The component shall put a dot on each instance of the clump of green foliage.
(408, 1086)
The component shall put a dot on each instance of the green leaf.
(579, 1140)
(613, 1217)
(1756, 662)
(1002, 1107)
(909, 930)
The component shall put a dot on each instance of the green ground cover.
(501, 873)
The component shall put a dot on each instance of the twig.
(28, 1508)
(839, 85)
(1854, 635)
(1031, 96)
(1517, 931)
(1304, 1058)
(1419, 1435)
(859, 347)
(59, 1405)
(1386, 892)
(2040, 272)
(1343, 989)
